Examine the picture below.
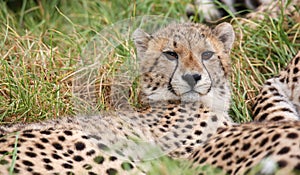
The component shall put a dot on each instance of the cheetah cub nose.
(191, 79)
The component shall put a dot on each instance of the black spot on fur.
(275, 137)
(61, 138)
(292, 135)
(197, 116)
(79, 146)
(246, 146)
(85, 137)
(68, 133)
(226, 156)
(214, 118)
(268, 106)
(297, 60)
(30, 154)
(111, 171)
(263, 117)
(126, 166)
(48, 167)
(46, 160)
(188, 149)
(234, 142)
(295, 79)
(264, 141)
(208, 149)
(67, 166)
(256, 154)
(282, 163)
(189, 126)
(296, 70)
(66, 154)
(29, 169)
(28, 135)
(78, 158)
(237, 169)
(3, 140)
(216, 153)
(4, 152)
(198, 132)
(55, 156)
(203, 160)
(70, 151)
(44, 140)
(46, 132)
(277, 118)
(3, 162)
(91, 152)
(40, 146)
(16, 170)
(57, 146)
(203, 124)
(87, 166)
(99, 159)
(27, 163)
(249, 163)
(240, 160)
(219, 145)
(257, 135)
(172, 114)
(284, 150)
(113, 158)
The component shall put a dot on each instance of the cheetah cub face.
(187, 62)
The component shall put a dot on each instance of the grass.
(42, 43)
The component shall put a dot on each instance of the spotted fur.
(184, 70)
(238, 149)
(279, 98)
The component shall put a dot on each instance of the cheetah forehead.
(197, 36)
(188, 31)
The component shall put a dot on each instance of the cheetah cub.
(184, 70)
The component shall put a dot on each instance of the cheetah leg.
(279, 98)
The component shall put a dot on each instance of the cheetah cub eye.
(207, 55)
(171, 55)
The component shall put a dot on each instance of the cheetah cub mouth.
(186, 62)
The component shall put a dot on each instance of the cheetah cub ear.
(141, 40)
(225, 34)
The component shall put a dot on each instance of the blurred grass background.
(41, 42)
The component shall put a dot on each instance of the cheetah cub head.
(187, 62)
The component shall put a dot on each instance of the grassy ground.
(42, 41)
